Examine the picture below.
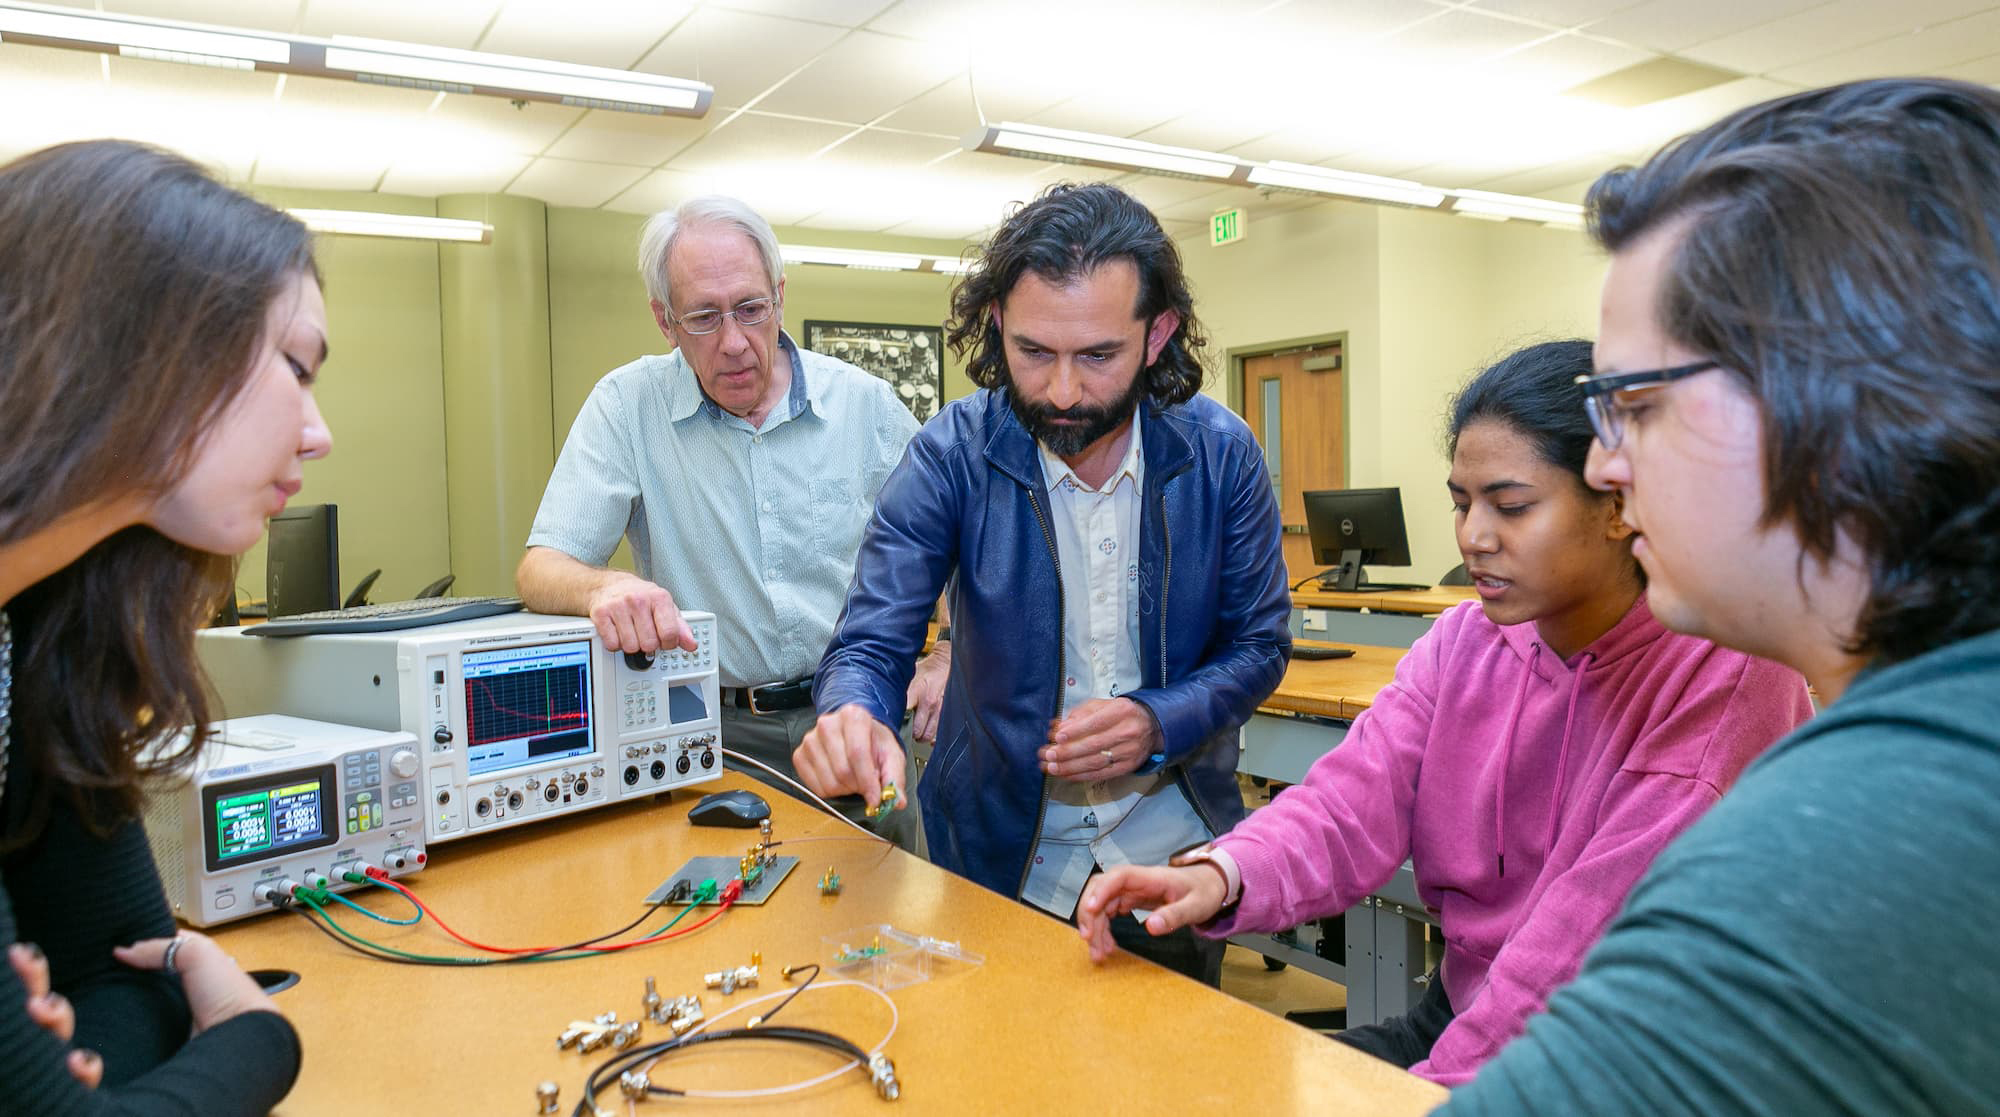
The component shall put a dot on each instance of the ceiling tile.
(1331, 27)
(340, 135)
(751, 138)
(771, 195)
(1550, 177)
(1106, 115)
(427, 173)
(1457, 39)
(523, 129)
(945, 21)
(261, 15)
(1556, 64)
(563, 182)
(1556, 13)
(1208, 130)
(610, 33)
(441, 23)
(845, 13)
(210, 116)
(1828, 30)
(1650, 126)
(1985, 71)
(949, 109)
(626, 137)
(1669, 25)
(863, 76)
(1933, 48)
(894, 150)
(741, 54)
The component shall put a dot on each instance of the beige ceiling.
(847, 114)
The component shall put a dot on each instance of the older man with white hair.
(741, 467)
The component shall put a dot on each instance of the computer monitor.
(302, 564)
(1349, 527)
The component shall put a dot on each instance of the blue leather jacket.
(969, 499)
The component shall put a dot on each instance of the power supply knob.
(403, 764)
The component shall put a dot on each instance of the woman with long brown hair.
(159, 337)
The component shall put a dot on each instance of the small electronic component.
(829, 885)
(650, 1003)
(548, 1098)
(855, 954)
(742, 977)
(886, 803)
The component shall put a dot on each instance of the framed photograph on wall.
(910, 358)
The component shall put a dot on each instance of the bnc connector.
(882, 1073)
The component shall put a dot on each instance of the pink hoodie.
(1529, 793)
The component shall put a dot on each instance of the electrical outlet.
(1315, 620)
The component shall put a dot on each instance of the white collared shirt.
(1131, 820)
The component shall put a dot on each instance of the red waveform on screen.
(481, 717)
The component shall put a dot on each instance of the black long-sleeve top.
(77, 895)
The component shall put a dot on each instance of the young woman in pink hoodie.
(1534, 752)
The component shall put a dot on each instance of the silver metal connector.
(882, 1073)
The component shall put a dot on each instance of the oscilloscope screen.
(526, 706)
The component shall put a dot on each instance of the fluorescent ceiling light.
(1486, 204)
(1326, 180)
(852, 258)
(363, 224)
(871, 260)
(1104, 151)
(464, 71)
(141, 37)
(368, 60)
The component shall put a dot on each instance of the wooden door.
(1300, 393)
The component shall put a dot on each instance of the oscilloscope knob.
(442, 735)
(403, 764)
(639, 661)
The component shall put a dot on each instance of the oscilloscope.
(275, 801)
(519, 717)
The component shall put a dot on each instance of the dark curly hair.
(1062, 235)
(1841, 259)
(134, 290)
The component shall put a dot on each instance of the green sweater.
(1817, 943)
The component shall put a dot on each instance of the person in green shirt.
(1798, 397)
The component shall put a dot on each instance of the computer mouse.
(740, 809)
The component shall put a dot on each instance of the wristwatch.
(1221, 862)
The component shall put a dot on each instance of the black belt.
(772, 698)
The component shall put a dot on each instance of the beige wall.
(1425, 300)
(382, 393)
(558, 281)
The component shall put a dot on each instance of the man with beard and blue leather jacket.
(1120, 605)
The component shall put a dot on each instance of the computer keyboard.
(388, 615)
(1319, 651)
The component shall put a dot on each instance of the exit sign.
(1226, 227)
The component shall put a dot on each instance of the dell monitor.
(1350, 527)
(302, 564)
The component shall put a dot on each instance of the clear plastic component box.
(888, 957)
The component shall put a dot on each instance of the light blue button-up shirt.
(1130, 820)
(758, 525)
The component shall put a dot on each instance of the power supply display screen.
(268, 816)
(526, 706)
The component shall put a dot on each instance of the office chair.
(437, 588)
(360, 594)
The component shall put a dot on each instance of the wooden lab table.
(1382, 955)
(1036, 1029)
(1394, 618)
